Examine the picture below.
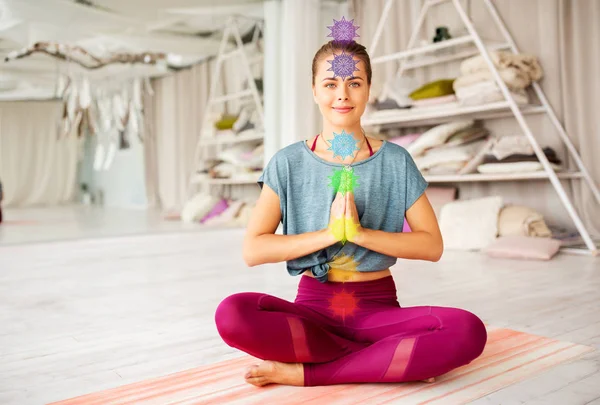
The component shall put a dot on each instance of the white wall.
(123, 184)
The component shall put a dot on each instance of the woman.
(342, 210)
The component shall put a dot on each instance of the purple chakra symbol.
(343, 30)
(343, 65)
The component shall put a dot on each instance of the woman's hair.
(354, 48)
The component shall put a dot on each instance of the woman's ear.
(314, 94)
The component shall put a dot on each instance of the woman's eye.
(329, 84)
(355, 83)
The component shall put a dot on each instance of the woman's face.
(342, 102)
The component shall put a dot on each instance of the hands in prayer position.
(344, 224)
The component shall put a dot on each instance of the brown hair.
(354, 48)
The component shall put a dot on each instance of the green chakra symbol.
(343, 180)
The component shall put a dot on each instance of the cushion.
(518, 220)
(470, 224)
(226, 122)
(226, 216)
(437, 136)
(438, 156)
(523, 247)
(197, 207)
(216, 210)
(404, 140)
(437, 88)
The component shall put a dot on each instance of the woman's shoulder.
(288, 152)
(395, 150)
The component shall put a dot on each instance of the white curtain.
(36, 168)
(175, 116)
(580, 89)
(295, 30)
(563, 35)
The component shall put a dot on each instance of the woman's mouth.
(343, 110)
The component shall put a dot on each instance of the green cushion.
(437, 88)
(226, 122)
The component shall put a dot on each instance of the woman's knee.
(232, 314)
(474, 332)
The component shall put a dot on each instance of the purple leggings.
(351, 332)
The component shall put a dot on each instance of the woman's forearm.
(403, 245)
(272, 248)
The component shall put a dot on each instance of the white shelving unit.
(475, 177)
(434, 115)
(205, 141)
(472, 44)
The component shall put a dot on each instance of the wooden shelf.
(430, 115)
(250, 179)
(443, 56)
(225, 139)
(481, 177)
(423, 49)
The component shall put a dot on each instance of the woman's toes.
(257, 381)
(252, 371)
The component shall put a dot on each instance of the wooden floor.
(80, 316)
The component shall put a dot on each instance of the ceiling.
(187, 30)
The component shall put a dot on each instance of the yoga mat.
(509, 357)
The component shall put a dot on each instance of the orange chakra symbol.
(343, 304)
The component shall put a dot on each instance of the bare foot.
(274, 372)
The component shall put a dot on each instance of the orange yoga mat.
(509, 357)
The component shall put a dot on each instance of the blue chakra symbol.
(343, 145)
(343, 30)
(343, 65)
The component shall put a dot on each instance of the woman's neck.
(329, 130)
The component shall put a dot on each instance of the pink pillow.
(404, 140)
(523, 247)
(217, 210)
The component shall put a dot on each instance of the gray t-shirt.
(386, 185)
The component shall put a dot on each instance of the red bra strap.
(369, 145)
(314, 143)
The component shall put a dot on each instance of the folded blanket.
(436, 136)
(515, 167)
(519, 157)
(486, 93)
(522, 221)
(457, 154)
(508, 145)
(527, 64)
(434, 101)
(466, 135)
(477, 159)
(514, 79)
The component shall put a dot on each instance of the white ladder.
(231, 30)
(473, 37)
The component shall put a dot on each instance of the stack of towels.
(476, 84)
(514, 154)
(455, 147)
